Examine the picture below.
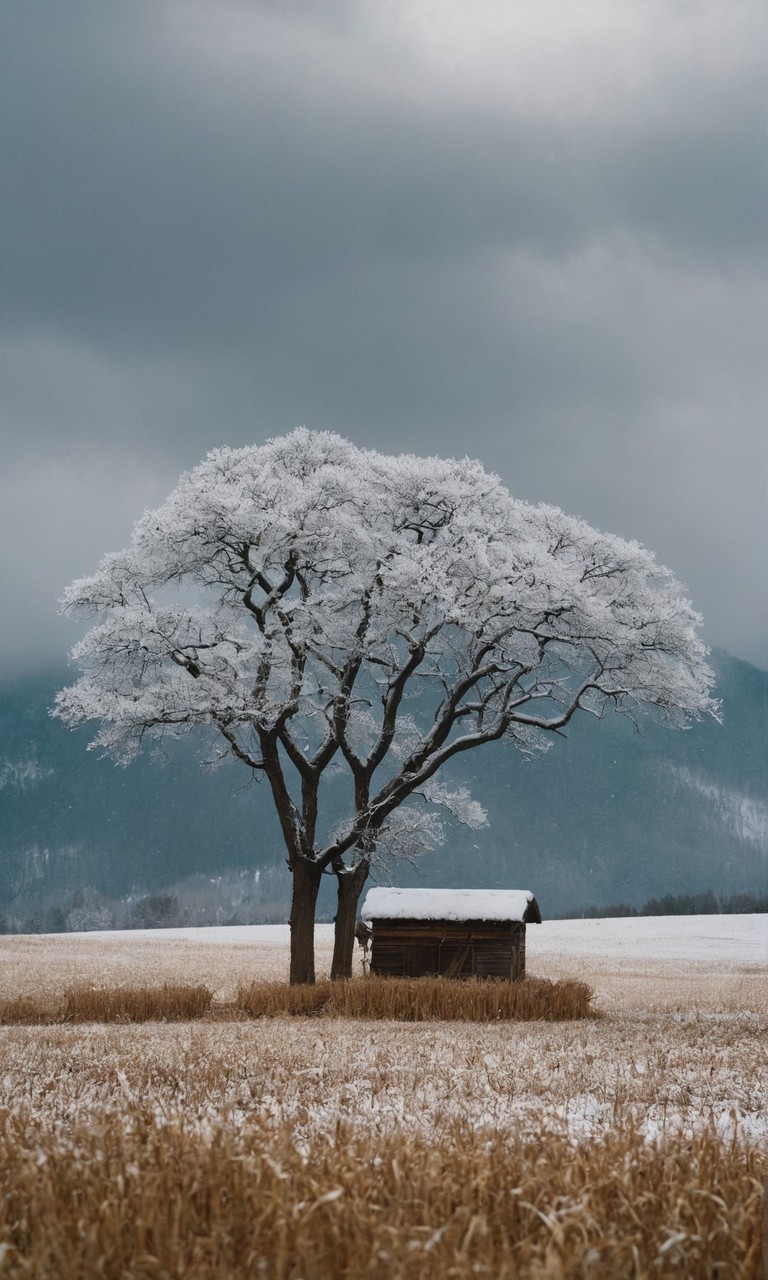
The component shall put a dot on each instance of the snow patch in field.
(737, 939)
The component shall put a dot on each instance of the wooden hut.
(458, 933)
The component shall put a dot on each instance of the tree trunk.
(306, 886)
(350, 886)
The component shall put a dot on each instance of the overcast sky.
(527, 230)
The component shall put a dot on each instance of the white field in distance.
(645, 962)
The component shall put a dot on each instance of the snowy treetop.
(446, 904)
(337, 616)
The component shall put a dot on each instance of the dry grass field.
(634, 1144)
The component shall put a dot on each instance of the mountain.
(70, 817)
(614, 814)
(611, 814)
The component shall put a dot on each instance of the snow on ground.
(684, 1042)
(661, 1073)
(737, 940)
(703, 939)
(704, 964)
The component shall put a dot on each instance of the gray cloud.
(529, 235)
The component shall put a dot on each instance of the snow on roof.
(446, 904)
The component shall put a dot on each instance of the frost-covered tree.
(346, 622)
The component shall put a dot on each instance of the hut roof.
(451, 904)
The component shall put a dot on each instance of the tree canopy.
(346, 622)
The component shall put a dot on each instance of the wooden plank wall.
(421, 948)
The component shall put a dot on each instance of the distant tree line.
(231, 898)
(681, 904)
(234, 898)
